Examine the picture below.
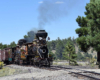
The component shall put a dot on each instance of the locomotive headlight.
(43, 51)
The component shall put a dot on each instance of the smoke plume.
(31, 35)
(51, 10)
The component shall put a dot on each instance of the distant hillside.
(57, 46)
(90, 51)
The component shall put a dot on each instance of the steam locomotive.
(34, 53)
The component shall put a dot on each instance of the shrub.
(1, 65)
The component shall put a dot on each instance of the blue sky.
(17, 17)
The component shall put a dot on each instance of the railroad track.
(73, 71)
(78, 72)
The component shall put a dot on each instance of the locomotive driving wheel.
(20, 62)
(40, 64)
(31, 62)
(48, 64)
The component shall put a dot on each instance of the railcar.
(5, 55)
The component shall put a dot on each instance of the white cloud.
(40, 2)
(59, 2)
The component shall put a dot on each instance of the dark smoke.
(31, 35)
(51, 10)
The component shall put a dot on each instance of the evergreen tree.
(53, 55)
(1, 45)
(12, 44)
(49, 45)
(59, 49)
(69, 52)
(4, 46)
(53, 44)
(89, 31)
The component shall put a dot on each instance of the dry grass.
(60, 63)
(6, 71)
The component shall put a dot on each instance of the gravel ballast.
(32, 73)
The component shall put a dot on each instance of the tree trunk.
(98, 56)
(69, 59)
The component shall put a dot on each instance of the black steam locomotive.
(34, 53)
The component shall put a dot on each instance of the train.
(31, 53)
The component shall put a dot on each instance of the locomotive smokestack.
(41, 33)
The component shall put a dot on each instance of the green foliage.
(80, 57)
(92, 38)
(89, 30)
(92, 61)
(1, 65)
(69, 52)
(59, 49)
(59, 45)
(92, 51)
(53, 55)
(25, 36)
(88, 55)
(84, 57)
(2, 46)
(12, 44)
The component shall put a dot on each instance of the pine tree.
(69, 53)
(53, 55)
(89, 31)
(59, 49)
(1, 45)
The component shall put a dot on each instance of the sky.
(57, 17)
